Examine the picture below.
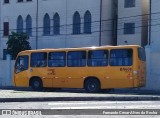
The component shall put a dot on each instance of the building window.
(6, 1)
(20, 1)
(87, 22)
(129, 28)
(76, 23)
(46, 25)
(5, 28)
(29, 25)
(19, 24)
(56, 24)
(129, 3)
(29, 0)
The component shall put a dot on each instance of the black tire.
(92, 85)
(36, 84)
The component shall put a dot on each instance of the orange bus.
(91, 68)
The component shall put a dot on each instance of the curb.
(79, 99)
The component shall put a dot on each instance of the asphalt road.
(94, 106)
(22, 95)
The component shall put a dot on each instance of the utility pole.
(66, 23)
(37, 26)
(150, 22)
(0, 25)
(100, 23)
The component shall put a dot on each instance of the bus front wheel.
(36, 84)
(92, 85)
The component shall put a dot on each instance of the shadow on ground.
(130, 91)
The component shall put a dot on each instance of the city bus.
(89, 68)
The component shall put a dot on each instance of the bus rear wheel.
(92, 85)
(36, 84)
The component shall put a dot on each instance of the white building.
(132, 22)
(57, 23)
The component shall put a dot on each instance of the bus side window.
(76, 58)
(121, 57)
(57, 59)
(97, 58)
(39, 59)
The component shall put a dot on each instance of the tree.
(17, 42)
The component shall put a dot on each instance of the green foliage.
(17, 42)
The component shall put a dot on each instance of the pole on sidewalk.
(9, 77)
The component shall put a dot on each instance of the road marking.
(83, 107)
(103, 102)
(103, 105)
(67, 103)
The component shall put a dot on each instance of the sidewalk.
(11, 94)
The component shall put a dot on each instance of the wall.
(153, 51)
(155, 25)
(6, 72)
(153, 67)
(107, 22)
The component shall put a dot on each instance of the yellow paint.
(73, 77)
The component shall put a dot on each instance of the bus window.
(21, 64)
(141, 54)
(57, 59)
(121, 57)
(39, 59)
(76, 58)
(98, 58)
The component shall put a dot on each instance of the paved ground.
(84, 109)
(24, 95)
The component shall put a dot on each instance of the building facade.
(133, 22)
(57, 23)
(155, 22)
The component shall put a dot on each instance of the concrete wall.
(155, 25)
(153, 51)
(107, 22)
(153, 68)
(6, 72)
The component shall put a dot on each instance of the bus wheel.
(36, 84)
(92, 85)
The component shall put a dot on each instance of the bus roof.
(80, 48)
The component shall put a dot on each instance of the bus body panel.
(139, 68)
(43, 74)
(22, 79)
(121, 78)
